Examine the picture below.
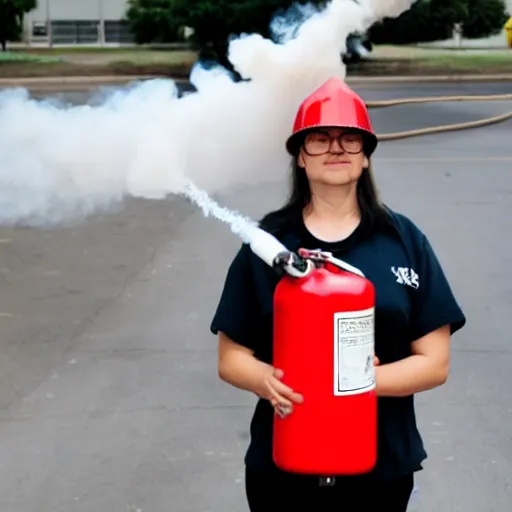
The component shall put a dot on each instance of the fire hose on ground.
(442, 128)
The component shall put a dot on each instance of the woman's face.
(333, 156)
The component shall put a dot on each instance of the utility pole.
(49, 23)
(101, 27)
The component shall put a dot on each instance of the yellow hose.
(443, 128)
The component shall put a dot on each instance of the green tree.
(214, 22)
(431, 20)
(11, 19)
(427, 20)
(151, 21)
(485, 18)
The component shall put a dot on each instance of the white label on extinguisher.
(354, 345)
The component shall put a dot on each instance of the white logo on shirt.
(406, 276)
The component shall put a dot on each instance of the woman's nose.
(336, 147)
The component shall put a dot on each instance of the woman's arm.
(239, 367)
(428, 367)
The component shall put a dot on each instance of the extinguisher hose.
(442, 128)
(276, 255)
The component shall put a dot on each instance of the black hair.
(373, 211)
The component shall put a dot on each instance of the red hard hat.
(334, 105)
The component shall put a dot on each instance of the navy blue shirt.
(413, 298)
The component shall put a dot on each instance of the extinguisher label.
(354, 345)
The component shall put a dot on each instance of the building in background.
(75, 22)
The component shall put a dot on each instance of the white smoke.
(59, 163)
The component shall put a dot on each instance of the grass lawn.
(386, 60)
(415, 60)
(410, 60)
(19, 57)
(96, 61)
(472, 62)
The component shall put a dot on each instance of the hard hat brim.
(295, 141)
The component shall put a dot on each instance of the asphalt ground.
(109, 395)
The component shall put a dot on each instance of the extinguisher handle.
(324, 256)
(345, 266)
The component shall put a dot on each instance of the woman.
(334, 206)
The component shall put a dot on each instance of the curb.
(430, 78)
(65, 82)
(54, 80)
(73, 82)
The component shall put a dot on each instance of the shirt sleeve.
(434, 303)
(236, 311)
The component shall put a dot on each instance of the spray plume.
(59, 164)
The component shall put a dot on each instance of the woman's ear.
(366, 162)
(300, 160)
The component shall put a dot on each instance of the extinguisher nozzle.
(288, 262)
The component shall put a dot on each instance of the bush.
(485, 18)
(151, 21)
(215, 21)
(433, 20)
(427, 20)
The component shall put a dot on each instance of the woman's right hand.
(281, 396)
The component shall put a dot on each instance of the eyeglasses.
(320, 143)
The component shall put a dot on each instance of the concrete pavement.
(109, 395)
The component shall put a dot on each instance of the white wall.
(78, 10)
(77, 22)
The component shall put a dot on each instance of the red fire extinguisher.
(324, 343)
